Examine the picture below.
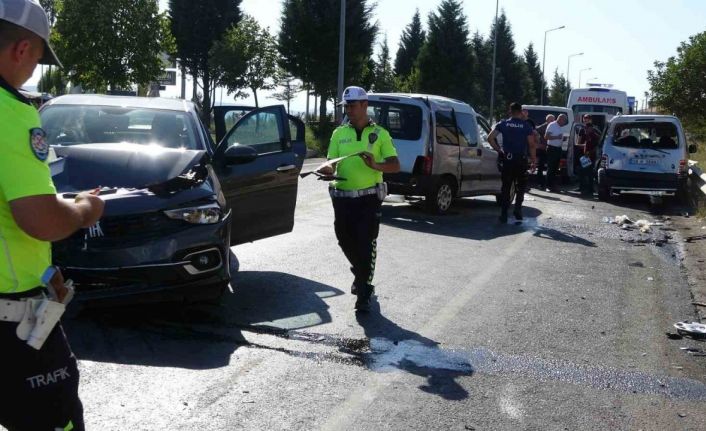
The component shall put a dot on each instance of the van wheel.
(603, 188)
(440, 200)
(513, 195)
(682, 194)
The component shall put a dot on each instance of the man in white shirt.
(554, 137)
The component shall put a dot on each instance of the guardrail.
(697, 176)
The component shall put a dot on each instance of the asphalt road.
(554, 324)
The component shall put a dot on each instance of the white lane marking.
(344, 416)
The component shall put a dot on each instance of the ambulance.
(601, 101)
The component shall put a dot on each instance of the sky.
(620, 39)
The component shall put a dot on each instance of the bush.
(318, 135)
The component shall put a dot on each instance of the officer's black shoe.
(364, 295)
(362, 304)
(518, 214)
(503, 217)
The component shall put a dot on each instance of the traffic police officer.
(518, 138)
(357, 196)
(40, 385)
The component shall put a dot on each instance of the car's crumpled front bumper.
(186, 258)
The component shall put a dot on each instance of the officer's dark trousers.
(40, 387)
(513, 171)
(357, 223)
(553, 160)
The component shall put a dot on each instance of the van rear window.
(402, 121)
(661, 135)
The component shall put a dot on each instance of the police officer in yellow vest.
(38, 371)
(358, 195)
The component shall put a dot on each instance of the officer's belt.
(352, 193)
(13, 311)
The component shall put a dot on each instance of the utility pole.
(495, 50)
(341, 58)
(544, 57)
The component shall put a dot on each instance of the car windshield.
(662, 135)
(402, 121)
(88, 124)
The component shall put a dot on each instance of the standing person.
(579, 130)
(554, 136)
(518, 140)
(588, 144)
(542, 151)
(40, 380)
(357, 196)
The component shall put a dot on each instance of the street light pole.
(495, 50)
(341, 57)
(580, 72)
(544, 56)
(568, 69)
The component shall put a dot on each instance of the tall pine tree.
(484, 59)
(384, 75)
(559, 91)
(446, 62)
(535, 75)
(411, 43)
(512, 81)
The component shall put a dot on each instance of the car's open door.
(261, 193)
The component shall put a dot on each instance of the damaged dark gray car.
(175, 201)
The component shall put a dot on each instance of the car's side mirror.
(239, 155)
(692, 148)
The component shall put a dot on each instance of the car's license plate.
(643, 162)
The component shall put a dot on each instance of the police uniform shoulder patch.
(38, 143)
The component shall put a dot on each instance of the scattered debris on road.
(693, 329)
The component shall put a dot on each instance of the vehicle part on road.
(694, 329)
(673, 336)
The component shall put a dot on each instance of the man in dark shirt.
(542, 151)
(518, 141)
(587, 146)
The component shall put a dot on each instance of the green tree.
(678, 85)
(51, 7)
(411, 42)
(247, 59)
(512, 80)
(308, 43)
(482, 78)
(384, 75)
(197, 26)
(119, 46)
(446, 62)
(53, 81)
(559, 90)
(535, 74)
(290, 88)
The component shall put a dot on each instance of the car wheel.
(682, 194)
(233, 264)
(440, 200)
(206, 294)
(603, 188)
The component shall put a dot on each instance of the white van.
(644, 154)
(442, 145)
(538, 114)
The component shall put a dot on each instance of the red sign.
(604, 100)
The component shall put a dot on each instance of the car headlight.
(204, 214)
